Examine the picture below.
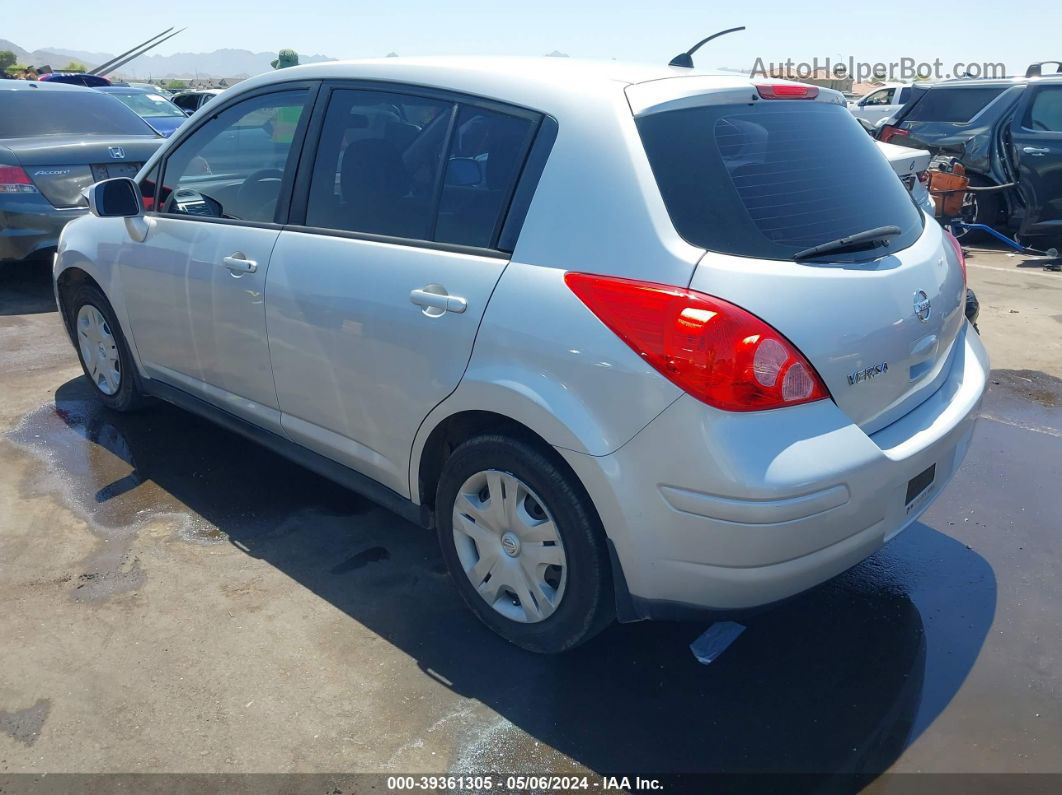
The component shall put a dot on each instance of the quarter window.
(486, 154)
(233, 166)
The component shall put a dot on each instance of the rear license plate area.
(919, 484)
(102, 171)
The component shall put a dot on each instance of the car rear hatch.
(61, 167)
(755, 182)
(945, 116)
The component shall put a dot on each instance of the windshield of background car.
(24, 114)
(771, 178)
(149, 104)
(956, 105)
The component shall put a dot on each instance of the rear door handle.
(1036, 150)
(238, 263)
(433, 300)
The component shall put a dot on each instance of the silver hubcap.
(98, 350)
(509, 547)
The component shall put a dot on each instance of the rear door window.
(772, 178)
(956, 105)
(414, 167)
(378, 164)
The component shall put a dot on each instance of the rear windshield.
(30, 112)
(773, 178)
(148, 104)
(956, 105)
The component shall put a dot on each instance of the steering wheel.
(249, 192)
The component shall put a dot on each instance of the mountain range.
(219, 63)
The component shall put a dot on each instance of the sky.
(637, 31)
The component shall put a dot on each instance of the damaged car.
(1007, 134)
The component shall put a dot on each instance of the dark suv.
(1006, 132)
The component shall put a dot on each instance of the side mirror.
(115, 198)
(463, 172)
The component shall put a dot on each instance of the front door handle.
(437, 299)
(238, 263)
(1036, 150)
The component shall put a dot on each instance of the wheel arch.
(72, 269)
(67, 280)
(451, 430)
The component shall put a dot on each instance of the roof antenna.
(685, 59)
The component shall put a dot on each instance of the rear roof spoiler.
(677, 93)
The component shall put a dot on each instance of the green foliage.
(7, 59)
(74, 66)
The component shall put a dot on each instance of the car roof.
(507, 78)
(34, 85)
(990, 82)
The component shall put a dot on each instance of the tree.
(74, 66)
(7, 58)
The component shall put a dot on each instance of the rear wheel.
(103, 351)
(523, 544)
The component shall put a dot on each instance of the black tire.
(586, 606)
(130, 394)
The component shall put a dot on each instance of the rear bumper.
(30, 227)
(722, 511)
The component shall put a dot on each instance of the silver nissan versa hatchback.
(637, 342)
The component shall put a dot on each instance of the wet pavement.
(939, 653)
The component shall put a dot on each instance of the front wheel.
(523, 544)
(103, 351)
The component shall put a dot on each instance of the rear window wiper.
(877, 235)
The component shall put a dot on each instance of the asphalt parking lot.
(176, 599)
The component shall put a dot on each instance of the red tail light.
(955, 244)
(888, 132)
(15, 180)
(715, 351)
(786, 91)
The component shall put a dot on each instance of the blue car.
(163, 116)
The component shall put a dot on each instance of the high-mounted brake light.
(710, 348)
(786, 91)
(15, 180)
(888, 132)
(957, 246)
